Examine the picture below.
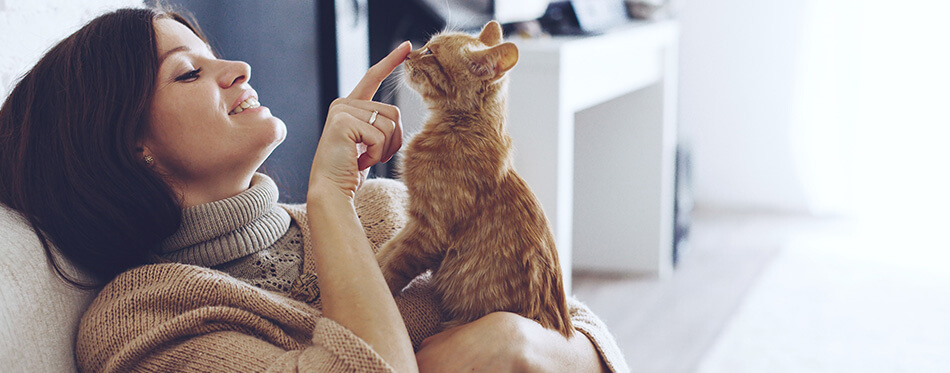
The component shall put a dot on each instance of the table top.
(655, 32)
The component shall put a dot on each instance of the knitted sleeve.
(591, 326)
(382, 206)
(176, 317)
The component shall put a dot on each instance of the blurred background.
(794, 153)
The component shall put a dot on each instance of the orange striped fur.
(473, 221)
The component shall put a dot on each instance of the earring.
(148, 160)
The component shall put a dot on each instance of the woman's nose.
(236, 72)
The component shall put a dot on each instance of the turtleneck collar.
(221, 231)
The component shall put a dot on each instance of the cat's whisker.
(453, 28)
(388, 88)
(393, 84)
(448, 20)
(469, 20)
(390, 92)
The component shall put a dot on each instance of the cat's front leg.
(407, 255)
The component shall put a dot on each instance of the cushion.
(39, 312)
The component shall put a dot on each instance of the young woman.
(132, 149)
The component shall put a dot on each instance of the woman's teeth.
(250, 103)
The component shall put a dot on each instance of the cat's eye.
(427, 52)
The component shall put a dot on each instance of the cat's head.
(455, 66)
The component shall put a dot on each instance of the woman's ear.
(491, 34)
(494, 62)
(144, 155)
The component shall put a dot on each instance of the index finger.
(367, 86)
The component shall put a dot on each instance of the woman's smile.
(247, 100)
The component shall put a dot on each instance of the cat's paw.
(395, 289)
(383, 255)
(396, 284)
(392, 279)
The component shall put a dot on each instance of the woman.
(133, 149)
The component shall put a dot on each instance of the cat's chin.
(432, 99)
(426, 92)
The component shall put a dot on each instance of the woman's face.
(208, 132)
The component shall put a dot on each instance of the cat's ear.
(491, 34)
(494, 62)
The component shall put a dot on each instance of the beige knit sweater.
(178, 317)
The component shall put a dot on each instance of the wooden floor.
(667, 326)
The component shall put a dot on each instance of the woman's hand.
(349, 144)
(506, 342)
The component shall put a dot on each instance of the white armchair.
(40, 312)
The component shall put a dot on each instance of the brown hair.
(69, 160)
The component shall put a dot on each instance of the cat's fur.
(473, 221)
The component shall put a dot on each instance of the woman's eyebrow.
(165, 55)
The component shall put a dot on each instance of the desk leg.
(543, 134)
(624, 185)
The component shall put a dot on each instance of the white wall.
(28, 28)
(818, 106)
(871, 115)
(737, 78)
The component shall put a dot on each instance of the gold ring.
(372, 118)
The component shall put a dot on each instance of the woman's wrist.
(330, 197)
(552, 352)
(323, 192)
(334, 216)
(586, 353)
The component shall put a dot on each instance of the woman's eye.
(191, 75)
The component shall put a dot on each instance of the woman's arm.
(517, 344)
(354, 293)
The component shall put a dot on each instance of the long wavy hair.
(69, 159)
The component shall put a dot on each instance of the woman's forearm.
(352, 288)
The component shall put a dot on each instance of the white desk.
(594, 127)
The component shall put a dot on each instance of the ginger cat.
(472, 220)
